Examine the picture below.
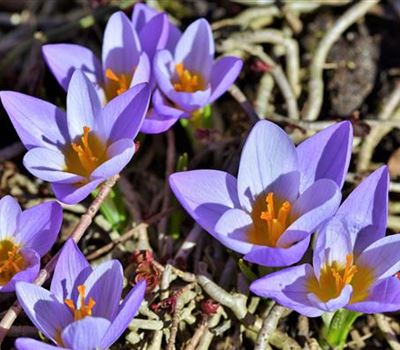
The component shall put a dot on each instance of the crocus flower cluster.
(353, 263)
(179, 67)
(77, 150)
(280, 197)
(284, 194)
(25, 236)
(189, 77)
(123, 63)
(82, 310)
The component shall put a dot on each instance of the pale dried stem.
(280, 79)
(387, 331)
(180, 303)
(264, 94)
(269, 326)
(194, 341)
(316, 84)
(235, 302)
(275, 37)
(388, 112)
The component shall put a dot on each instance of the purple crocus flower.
(281, 195)
(189, 77)
(82, 310)
(124, 63)
(25, 236)
(155, 31)
(353, 263)
(78, 150)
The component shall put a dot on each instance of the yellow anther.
(122, 81)
(11, 261)
(84, 309)
(84, 152)
(187, 81)
(86, 155)
(335, 276)
(276, 224)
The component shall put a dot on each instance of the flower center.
(117, 84)
(84, 309)
(334, 277)
(271, 218)
(11, 261)
(87, 154)
(187, 81)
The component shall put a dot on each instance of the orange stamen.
(84, 309)
(344, 276)
(335, 276)
(123, 80)
(85, 155)
(11, 261)
(187, 81)
(276, 224)
(84, 152)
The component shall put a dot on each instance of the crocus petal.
(119, 153)
(126, 312)
(231, 230)
(161, 116)
(104, 285)
(333, 244)
(121, 46)
(28, 274)
(384, 297)
(9, 214)
(326, 155)
(63, 59)
(269, 256)
(382, 257)
(268, 164)
(205, 194)
(71, 270)
(123, 116)
(39, 226)
(224, 72)
(142, 72)
(38, 123)
(318, 203)
(83, 104)
(155, 123)
(142, 14)
(365, 209)
(154, 35)
(30, 344)
(332, 304)
(50, 170)
(195, 48)
(164, 66)
(43, 309)
(85, 334)
(72, 193)
(288, 288)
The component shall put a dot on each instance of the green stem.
(336, 333)
(113, 209)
